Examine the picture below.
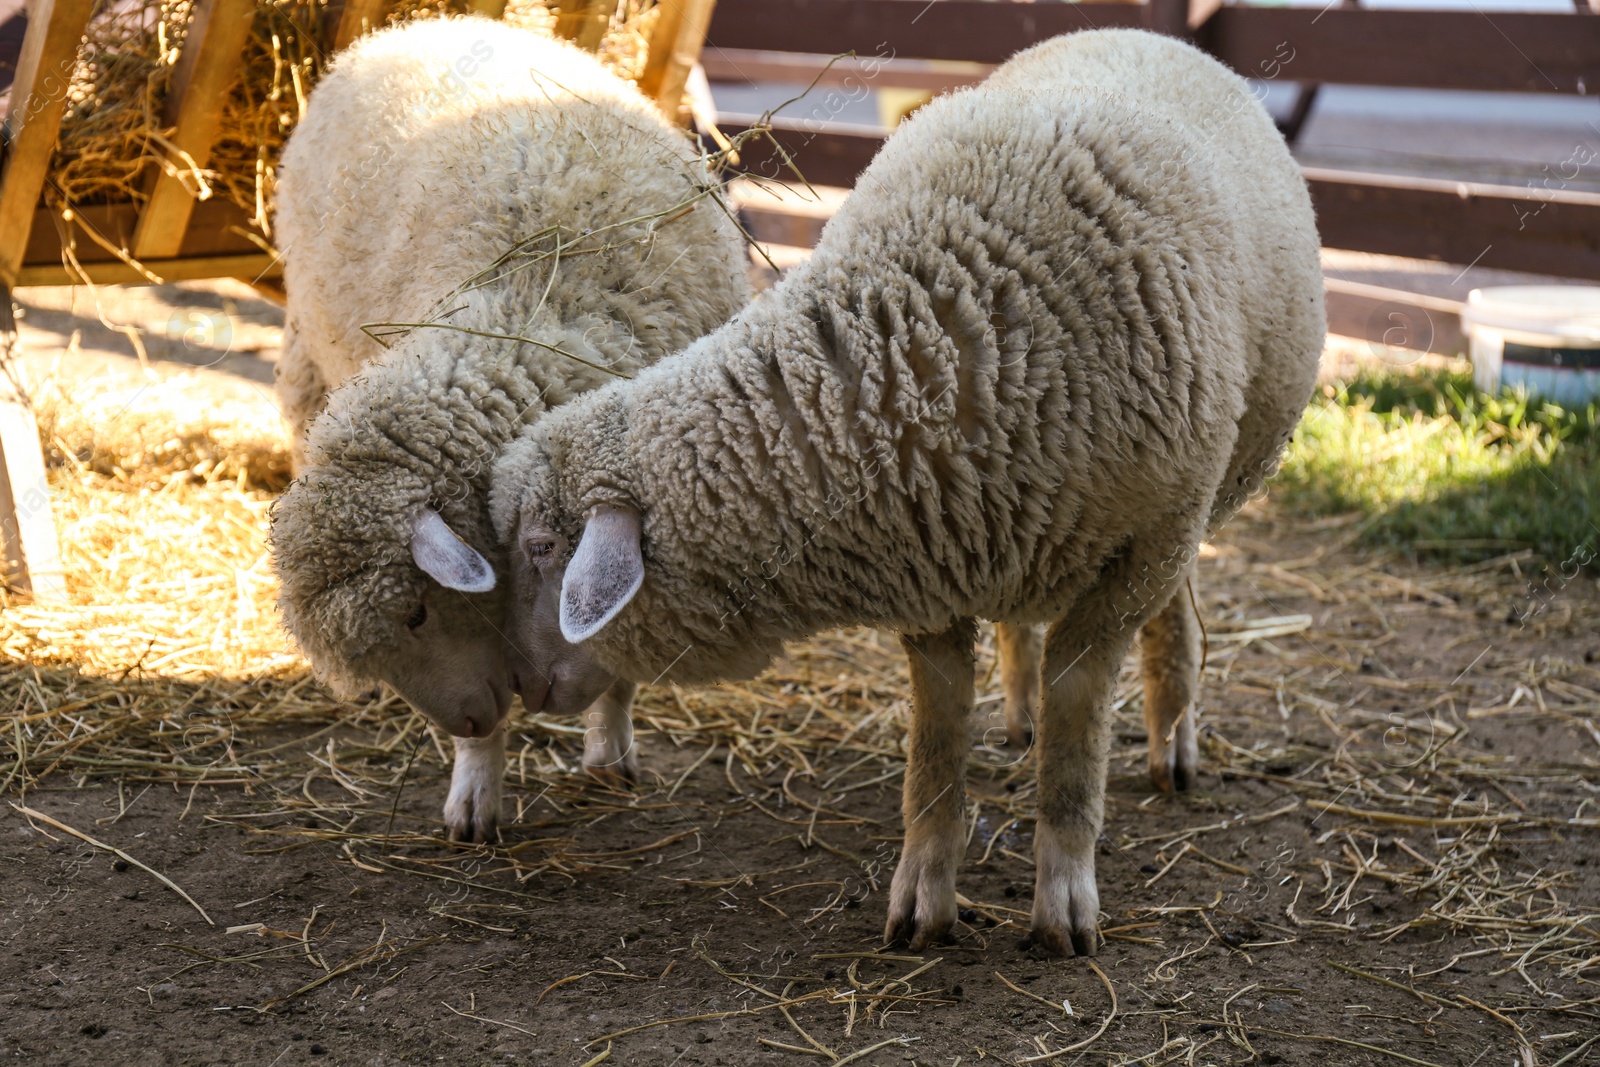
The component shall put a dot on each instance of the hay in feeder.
(112, 136)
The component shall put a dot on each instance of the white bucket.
(1545, 338)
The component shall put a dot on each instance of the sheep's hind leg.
(922, 896)
(472, 811)
(1019, 648)
(608, 748)
(1170, 651)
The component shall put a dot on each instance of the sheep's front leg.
(1020, 648)
(922, 896)
(472, 811)
(608, 749)
(1080, 667)
(1170, 650)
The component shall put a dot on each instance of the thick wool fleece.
(426, 155)
(1062, 322)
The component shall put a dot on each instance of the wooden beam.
(211, 61)
(802, 68)
(675, 44)
(1394, 318)
(834, 154)
(1544, 52)
(1553, 52)
(115, 272)
(972, 30)
(584, 22)
(358, 17)
(1167, 16)
(30, 555)
(218, 227)
(33, 119)
(1543, 231)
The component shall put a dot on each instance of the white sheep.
(1065, 322)
(552, 230)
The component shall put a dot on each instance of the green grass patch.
(1448, 472)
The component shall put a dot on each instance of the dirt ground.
(1390, 858)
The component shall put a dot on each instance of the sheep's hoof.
(472, 828)
(922, 900)
(1066, 901)
(472, 814)
(1040, 943)
(1177, 769)
(607, 766)
(1019, 736)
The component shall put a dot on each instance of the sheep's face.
(447, 661)
(447, 664)
(550, 667)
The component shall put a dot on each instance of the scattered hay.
(148, 433)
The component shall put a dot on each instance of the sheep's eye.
(418, 617)
(541, 549)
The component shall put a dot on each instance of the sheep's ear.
(605, 572)
(446, 558)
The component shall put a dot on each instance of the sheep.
(1062, 327)
(583, 232)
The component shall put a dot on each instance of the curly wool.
(426, 154)
(1050, 323)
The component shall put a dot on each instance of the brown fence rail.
(1523, 52)
(1539, 229)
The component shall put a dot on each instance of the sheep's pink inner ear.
(446, 558)
(605, 572)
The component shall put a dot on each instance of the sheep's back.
(1032, 338)
(1279, 260)
(430, 149)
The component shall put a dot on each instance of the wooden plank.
(206, 70)
(854, 72)
(1468, 49)
(32, 552)
(1539, 230)
(834, 154)
(1167, 16)
(675, 44)
(584, 22)
(1553, 52)
(245, 267)
(358, 17)
(38, 97)
(13, 27)
(973, 30)
(217, 227)
(30, 555)
(1529, 229)
(1394, 318)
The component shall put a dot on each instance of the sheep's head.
(378, 587)
(560, 598)
(566, 582)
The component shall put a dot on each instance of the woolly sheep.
(1065, 323)
(428, 155)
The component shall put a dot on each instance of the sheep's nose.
(516, 683)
